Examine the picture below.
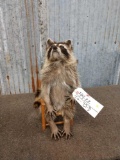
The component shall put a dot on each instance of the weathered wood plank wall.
(19, 46)
(92, 25)
(94, 28)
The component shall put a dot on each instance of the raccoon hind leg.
(56, 133)
(66, 129)
(68, 112)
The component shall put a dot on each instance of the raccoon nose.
(54, 48)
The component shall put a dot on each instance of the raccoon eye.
(64, 51)
(62, 47)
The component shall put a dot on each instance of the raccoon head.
(57, 51)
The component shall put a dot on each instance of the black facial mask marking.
(49, 51)
(64, 51)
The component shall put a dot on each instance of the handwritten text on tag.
(92, 106)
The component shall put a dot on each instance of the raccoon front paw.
(67, 134)
(56, 134)
(51, 114)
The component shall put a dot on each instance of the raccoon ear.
(69, 43)
(49, 42)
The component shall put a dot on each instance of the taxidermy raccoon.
(59, 78)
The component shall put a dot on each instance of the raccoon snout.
(54, 48)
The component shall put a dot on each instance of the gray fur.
(59, 78)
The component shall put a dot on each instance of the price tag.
(92, 106)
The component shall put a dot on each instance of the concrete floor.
(21, 136)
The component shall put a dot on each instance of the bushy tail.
(37, 103)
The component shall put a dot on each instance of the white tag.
(87, 102)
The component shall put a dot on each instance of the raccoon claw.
(56, 135)
(67, 135)
(52, 114)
